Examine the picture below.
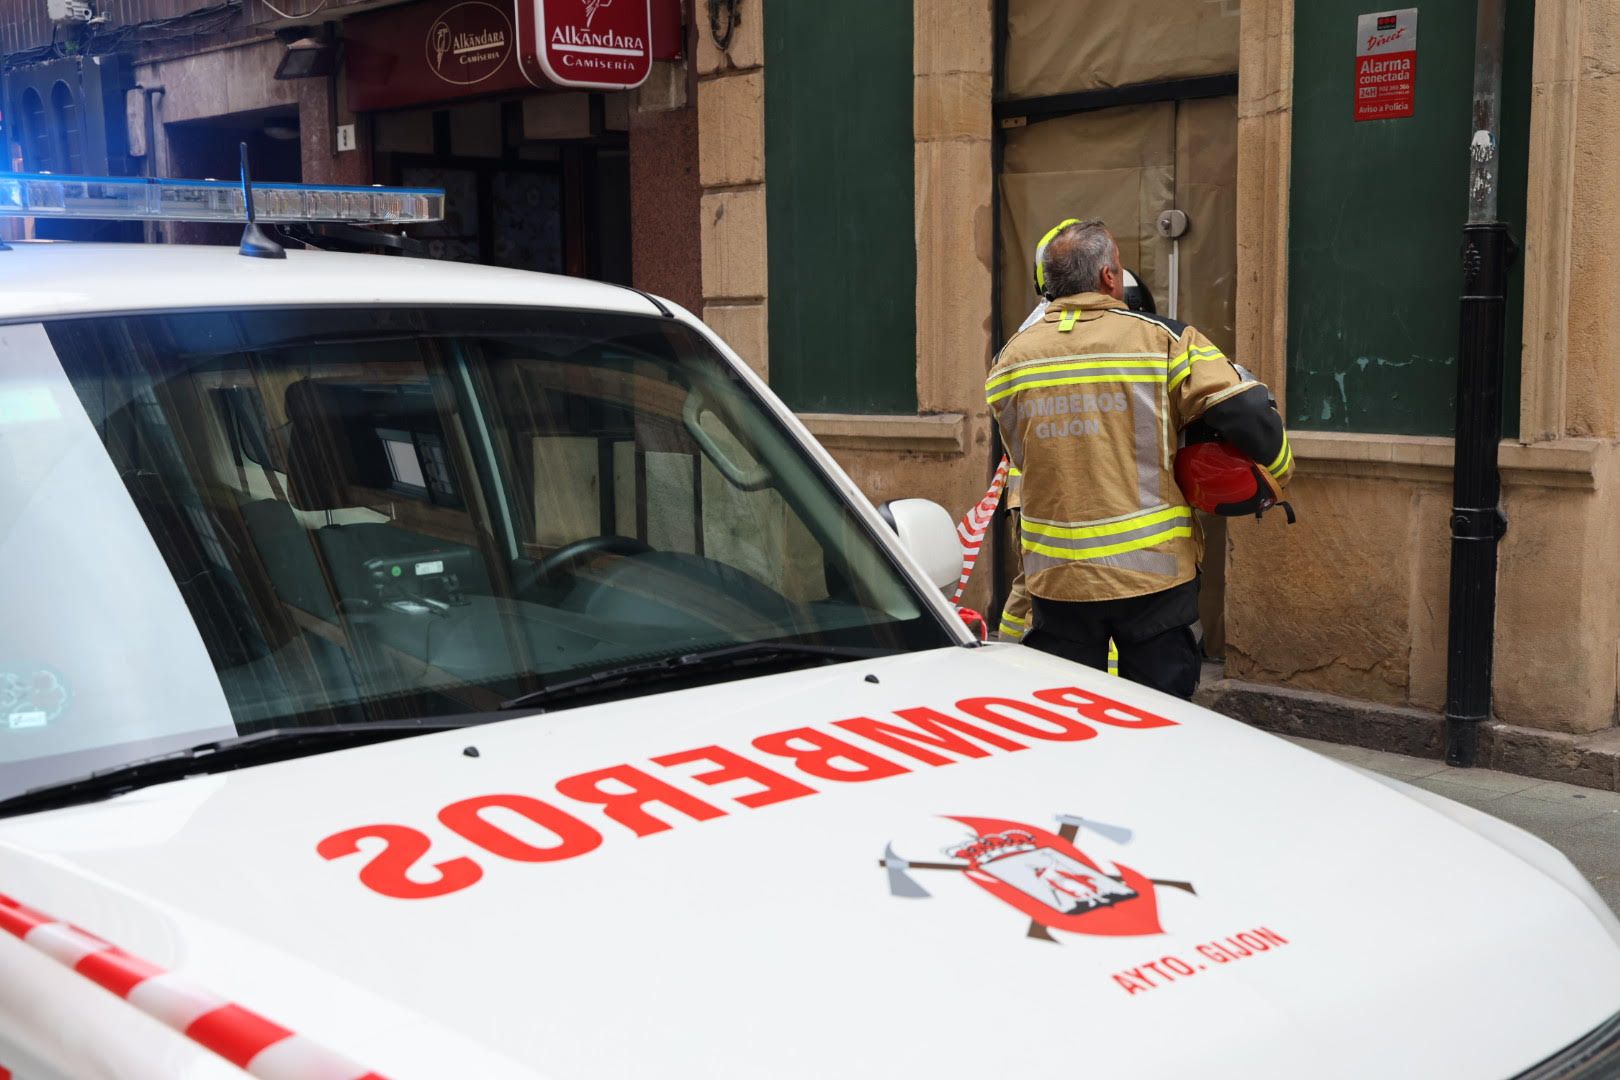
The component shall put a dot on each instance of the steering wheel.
(569, 555)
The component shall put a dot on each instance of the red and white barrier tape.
(247, 1040)
(976, 523)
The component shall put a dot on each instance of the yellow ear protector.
(1040, 253)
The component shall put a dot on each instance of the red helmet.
(1218, 479)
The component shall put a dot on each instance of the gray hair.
(1076, 258)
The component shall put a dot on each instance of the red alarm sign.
(593, 44)
(1386, 64)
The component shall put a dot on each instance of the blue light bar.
(104, 198)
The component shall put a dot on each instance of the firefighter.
(1091, 399)
(1015, 612)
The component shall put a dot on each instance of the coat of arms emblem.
(1046, 877)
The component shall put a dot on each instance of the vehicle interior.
(418, 513)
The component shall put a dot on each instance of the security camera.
(68, 11)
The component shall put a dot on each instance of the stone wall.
(943, 452)
(665, 189)
(731, 170)
(953, 70)
(1353, 600)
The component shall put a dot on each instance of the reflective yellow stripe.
(1078, 363)
(1113, 657)
(1198, 352)
(1194, 354)
(1180, 376)
(1051, 234)
(1108, 528)
(1282, 458)
(1066, 323)
(1014, 471)
(1040, 251)
(1009, 617)
(1133, 533)
(1110, 549)
(1227, 394)
(1074, 381)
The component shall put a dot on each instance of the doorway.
(1127, 164)
(211, 149)
(559, 206)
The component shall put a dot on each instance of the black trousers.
(1154, 633)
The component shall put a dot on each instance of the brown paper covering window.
(1061, 46)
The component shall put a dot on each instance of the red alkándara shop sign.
(443, 50)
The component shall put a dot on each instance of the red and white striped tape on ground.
(976, 523)
(263, 1048)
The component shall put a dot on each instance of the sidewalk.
(1582, 823)
(1588, 761)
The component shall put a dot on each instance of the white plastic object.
(65, 11)
(928, 532)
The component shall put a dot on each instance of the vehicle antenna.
(255, 242)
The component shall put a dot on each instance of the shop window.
(528, 225)
(456, 238)
(551, 205)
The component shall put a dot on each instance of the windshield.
(216, 523)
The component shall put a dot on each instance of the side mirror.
(927, 530)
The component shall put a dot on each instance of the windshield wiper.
(722, 658)
(222, 755)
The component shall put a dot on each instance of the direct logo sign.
(469, 43)
(1386, 64)
(1046, 877)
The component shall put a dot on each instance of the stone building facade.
(847, 192)
(1352, 602)
(1336, 626)
(603, 184)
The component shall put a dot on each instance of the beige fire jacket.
(1090, 401)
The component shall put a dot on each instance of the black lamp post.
(1477, 521)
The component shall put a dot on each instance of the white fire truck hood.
(1227, 905)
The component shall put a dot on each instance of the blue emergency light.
(114, 198)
